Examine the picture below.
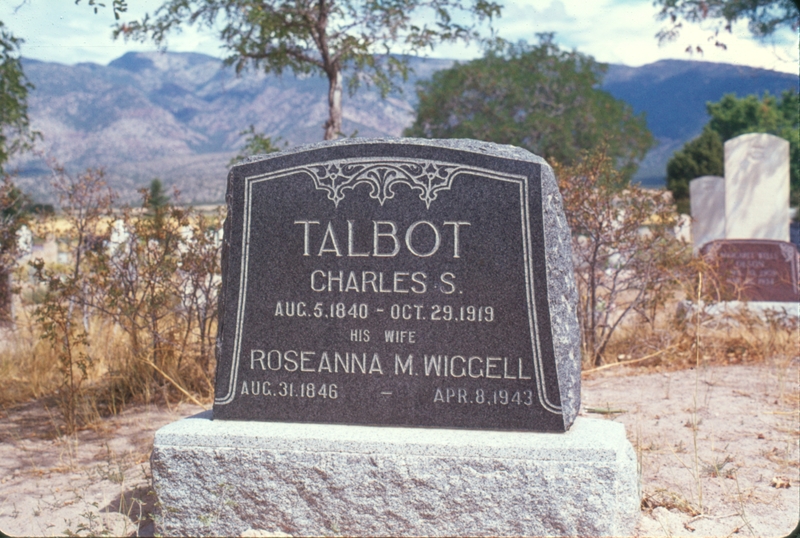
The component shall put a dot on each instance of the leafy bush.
(148, 275)
(624, 248)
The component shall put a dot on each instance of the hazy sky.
(613, 31)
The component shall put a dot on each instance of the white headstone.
(24, 240)
(707, 198)
(683, 228)
(757, 187)
(119, 236)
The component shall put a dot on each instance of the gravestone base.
(229, 478)
(733, 313)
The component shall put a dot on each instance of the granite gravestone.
(707, 199)
(757, 187)
(754, 270)
(398, 283)
(371, 285)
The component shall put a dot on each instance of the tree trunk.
(334, 124)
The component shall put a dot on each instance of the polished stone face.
(757, 187)
(754, 270)
(398, 283)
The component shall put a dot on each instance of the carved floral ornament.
(426, 177)
(382, 174)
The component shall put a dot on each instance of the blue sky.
(613, 31)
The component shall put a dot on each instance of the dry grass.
(741, 337)
(124, 313)
(29, 369)
(26, 367)
(668, 499)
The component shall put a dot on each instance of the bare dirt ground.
(737, 472)
(94, 483)
(718, 447)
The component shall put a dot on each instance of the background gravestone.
(757, 187)
(754, 270)
(400, 283)
(707, 198)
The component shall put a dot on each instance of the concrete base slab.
(234, 478)
(732, 313)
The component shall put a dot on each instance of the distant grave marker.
(757, 187)
(398, 282)
(754, 270)
(707, 199)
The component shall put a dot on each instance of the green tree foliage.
(730, 117)
(703, 156)
(155, 199)
(255, 144)
(764, 17)
(117, 6)
(156, 203)
(534, 96)
(14, 215)
(324, 37)
(15, 134)
(733, 116)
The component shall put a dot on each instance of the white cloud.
(623, 31)
(60, 31)
(613, 31)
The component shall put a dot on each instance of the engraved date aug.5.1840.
(362, 311)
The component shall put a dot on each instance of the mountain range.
(180, 116)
